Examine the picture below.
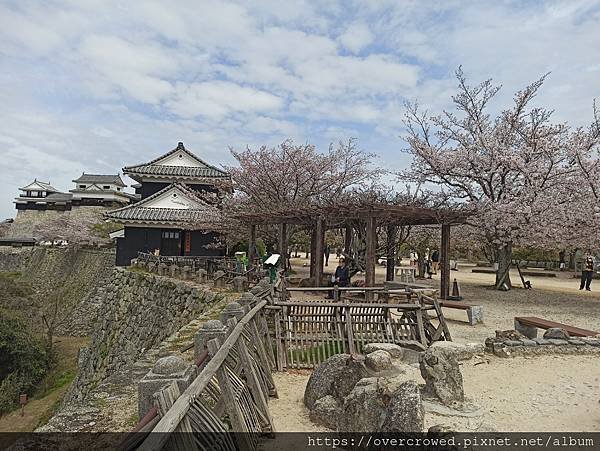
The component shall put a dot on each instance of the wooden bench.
(528, 326)
(474, 312)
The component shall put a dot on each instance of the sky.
(98, 85)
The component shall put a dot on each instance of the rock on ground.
(405, 411)
(336, 376)
(379, 360)
(443, 379)
(394, 350)
(326, 411)
(363, 409)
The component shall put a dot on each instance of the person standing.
(587, 273)
(327, 252)
(435, 260)
(341, 278)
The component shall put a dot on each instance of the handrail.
(169, 422)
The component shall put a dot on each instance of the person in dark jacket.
(341, 278)
(587, 272)
(435, 261)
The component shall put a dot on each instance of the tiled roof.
(43, 185)
(151, 168)
(58, 197)
(100, 178)
(204, 215)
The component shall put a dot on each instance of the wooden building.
(100, 190)
(175, 216)
(42, 196)
(176, 166)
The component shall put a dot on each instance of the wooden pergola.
(320, 218)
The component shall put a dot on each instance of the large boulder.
(443, 379)
(326, 411)
(379, 361)
(394, 350)
(375, 405)
(336, 376)
(363, 409)
(405, 411)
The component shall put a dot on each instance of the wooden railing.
(235, 383)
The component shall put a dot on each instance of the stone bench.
(528, 326)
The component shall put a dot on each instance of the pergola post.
(348, 239)
(390, 252)
(313, 242)
(370, 252)
(445, 262)
(283, 245)
(319, 251)
(252, 245)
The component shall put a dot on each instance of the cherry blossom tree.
(292, 175)
(515, 169)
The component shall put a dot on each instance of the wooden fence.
(308, 333)
(229, 394)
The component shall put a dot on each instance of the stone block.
(202, 275)
(209, 330)
(174, 270)
(529, 342)
(165, 371)
(475, 314)
(219, 279)
(248, 299)
(240, 284)
(232, 310)
(513, 343)
(186, 273)
(162, 269)
(542, 341)
(576, 342)
(528, 331)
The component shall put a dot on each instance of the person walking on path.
(587, 273)
(327, 252)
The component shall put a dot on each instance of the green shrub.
(24, 361)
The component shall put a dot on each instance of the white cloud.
(357, 37)
(216, 99)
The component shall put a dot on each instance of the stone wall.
(138, 310)
(12, 259)
(72, 274)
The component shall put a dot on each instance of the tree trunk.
(504, 256)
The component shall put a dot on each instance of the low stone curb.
(538, 346)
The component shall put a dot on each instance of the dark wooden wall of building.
(147, 239)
